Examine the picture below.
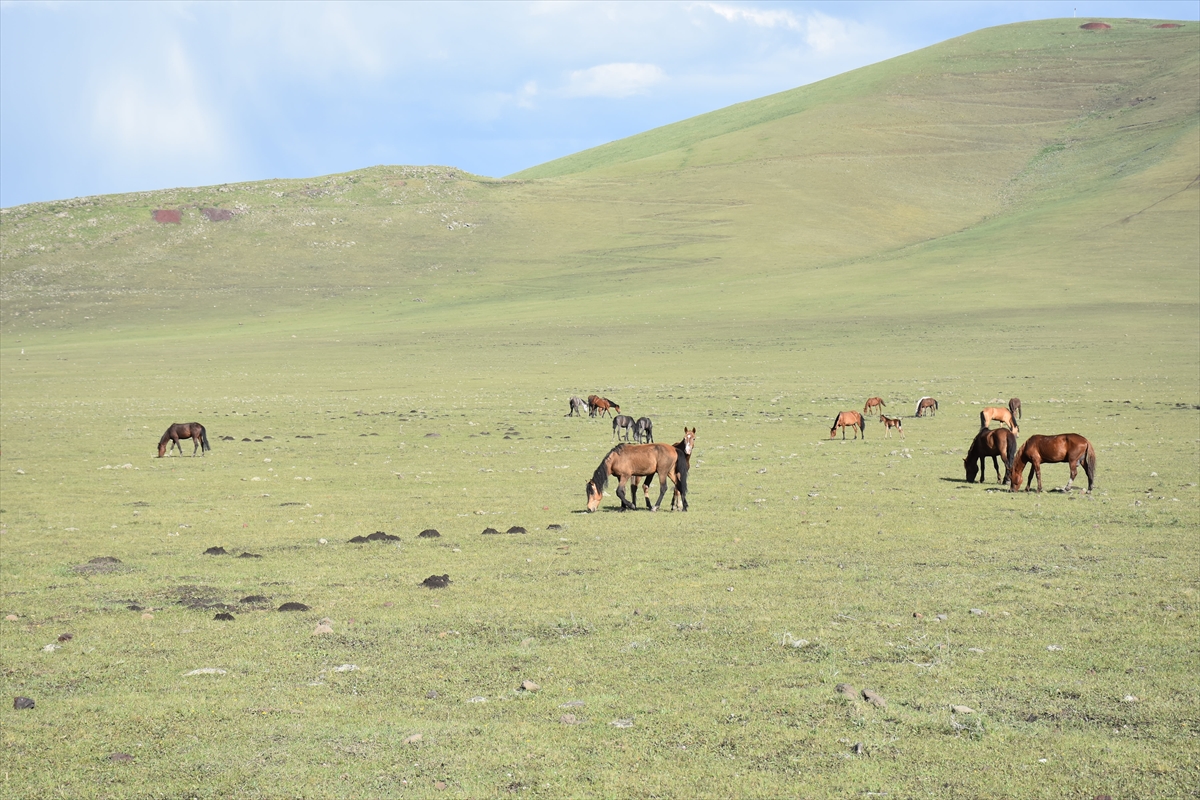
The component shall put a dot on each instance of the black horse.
(184, 430)
(625, 422)
(643, 431)
(999, 442)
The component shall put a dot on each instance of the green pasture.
(1012, 213)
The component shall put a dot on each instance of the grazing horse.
(1071, 448)
(926, 404)
(1000, 442)
(999, 415)
(184, 430)
(643, 430)
(601, 405)
(849, 419)
(639, 460)
(622, 421)
(889, 423)
(874, 403)
(576, 406)
(1014, 407)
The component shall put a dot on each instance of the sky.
(99, 98)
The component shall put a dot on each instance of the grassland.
(1009, 213)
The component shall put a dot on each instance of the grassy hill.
(1013, 212)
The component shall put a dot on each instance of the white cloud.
(613, 80)
(152, 114)
(755, 16)
(825, 34)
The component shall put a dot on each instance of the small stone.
(147, 615)
(859, 749)
(50, 648)
(477, 699)
(321, 630)
(569, 719)
(431, 695)
(529, 686)
(573, 704)
(962, 709)
(622, 723)
(941, 618)
(979, 612)
(874, 699)
(22, 703)
(346, 668)
(439, 784)
(120, 757)
(11, 617)
(322, 541)
(1053, 648)
(66, 637)
(847, 691)
(205, 671)
(1129, 698)
(918, 615)
(416, 737)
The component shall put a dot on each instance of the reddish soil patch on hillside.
(1095, 26)
(167, 216)
(1169, 25)
(217, 214)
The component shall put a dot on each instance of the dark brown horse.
(1071, 448)
(889, 423)
(601, 405)
(999, 415)
(627, 461)
(685, 447)
(849, 419)
(874, 403)
(926, 405)
(1014, 407)
(625, 422)
(184, 430)
(1000, 442)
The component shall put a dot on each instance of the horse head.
(689, 440)
(593, 496)
(972, 465)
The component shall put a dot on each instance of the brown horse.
(601, 405)
(1000, 442)
(849, 419)
(1014, 407)
(889, 423)
(184, 430)
(999, 415)
(627, 461)
(1071, 448)
(874, 403)
(926, 405)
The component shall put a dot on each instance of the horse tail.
(1011, 441)
(983, 422)
(1090, 465)
(204, 448)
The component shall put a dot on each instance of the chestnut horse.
(1014, 407)
(1071, 448)
(999, 415)
(889, 423)
(1000, 442)
(601, 405)
(926, 404)
(627, 461)
(874, 403)
(184, 430)
(849, 419)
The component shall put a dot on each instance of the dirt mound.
(554, 526)
(1095, 26)
(516, 529)
(428, 533)
(436, 582)
(380, 536)
(217, 214)
(359, 540)
(224, 615)
(167, 216)
(1169, 25)
(101, 565)
(255, 598)
(293, 607)
(215, 551)
(250, 555)
(489, 531)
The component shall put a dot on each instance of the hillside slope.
(1015, 168)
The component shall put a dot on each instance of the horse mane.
(600, 476)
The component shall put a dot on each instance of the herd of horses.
(646, 459)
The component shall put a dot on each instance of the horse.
(601, 405)
(849, 419)
(576, 406)
(1000, 415)
(1071, 448)
(678, 502)
(926, 404)
(184, 430)
(643, 430)
(889, 423)
(1000, 442)
(1014, 407)
(622, 421)
(874, 403)
(638, 460)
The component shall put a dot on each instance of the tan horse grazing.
(999, 415)
(184, 430)
(874, 403)
(627, 461)
(889, 423)
(849, 419)
(926, 405)
(1000, 442)
(601, 405)
(1071, 448)
(1014, 407)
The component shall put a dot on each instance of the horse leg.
(662, 490)
(1074, 465)
(996, 467)
(1037, 467)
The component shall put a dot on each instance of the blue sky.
(99, 97)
